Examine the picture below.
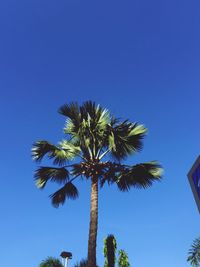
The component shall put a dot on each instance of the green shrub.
(123, 259)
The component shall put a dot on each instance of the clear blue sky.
(141, 60)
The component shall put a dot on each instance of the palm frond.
(97, 115)
(194, 253)
(78, 169)
(70, 128)
(70, 111)
(86, 125)
(139, 176)
(88, 108)
(94, 121)
(68, 191)
(44, 174)
(70, 148)
(110, 173)
(125, 138)
(58, 154)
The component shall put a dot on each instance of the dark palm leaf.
(67, 191)
(44, 174)
(94, 119)
(125, 138)
(60, 155)
(88, 108)
(78, 169)
(110, 173)
(194, 253)
(139, 176)
(40, 149)
(70, 111)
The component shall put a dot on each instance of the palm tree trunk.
(93, 224)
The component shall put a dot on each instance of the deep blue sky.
(138, 58)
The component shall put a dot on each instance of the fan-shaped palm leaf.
(139, 176)
(62, 153)
(44, 174)
(194, 253)
(125, 138)
(68, 191)
(72, 112)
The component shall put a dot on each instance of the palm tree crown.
(95, 144)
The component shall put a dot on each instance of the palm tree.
(95, 143)
(51, 262)
(194, 253)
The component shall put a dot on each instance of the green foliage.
(51, 262)
(123, 259)
(194, 253)
(110, 246)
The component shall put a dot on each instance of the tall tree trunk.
(93, 224)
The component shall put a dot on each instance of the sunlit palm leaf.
(68, 191)
(139, 176)
(72, 150)
(70, 128)
(44, 174)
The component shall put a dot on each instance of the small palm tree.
(92, 135)
(51, 262)
(194, 253)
